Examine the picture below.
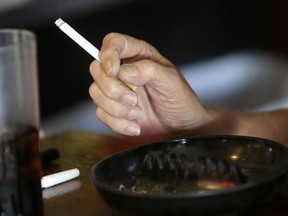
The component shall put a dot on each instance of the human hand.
(163, 102)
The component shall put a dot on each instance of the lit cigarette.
(58, 178)
(81, 41)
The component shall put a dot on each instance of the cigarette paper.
(81, 41)
(58, 178)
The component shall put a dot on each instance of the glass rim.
(9, 36)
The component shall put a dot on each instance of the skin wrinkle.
(153, 78)
(113, 109)
(163, 104)
(112, 91)
(142, 74)
(149, 113)
(150, 116)
(155, 81)
(148, 51)
(94, 68)
(179, 122)
(108, 119)
(118, 124)
(123, 46)
(144, 51)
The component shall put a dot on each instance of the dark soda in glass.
(20, 172)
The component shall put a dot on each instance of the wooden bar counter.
(78, 197)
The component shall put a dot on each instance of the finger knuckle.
(92, 89)
(94, 68)
(111, 91)
(117, 110)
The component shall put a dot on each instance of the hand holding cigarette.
(81, 41)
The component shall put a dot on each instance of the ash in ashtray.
(145, 185)
(172, 173)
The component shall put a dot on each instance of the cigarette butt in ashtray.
(81, 41)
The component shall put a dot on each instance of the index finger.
(118, 48)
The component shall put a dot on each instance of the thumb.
(148, 73)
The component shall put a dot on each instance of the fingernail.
(130, 99)
(135, 114)
(133, 130)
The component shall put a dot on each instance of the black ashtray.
(197, 176)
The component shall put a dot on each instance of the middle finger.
(112, 87)
(113, 107)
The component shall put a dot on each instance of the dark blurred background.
(183, 31)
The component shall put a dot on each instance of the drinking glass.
(20, 159)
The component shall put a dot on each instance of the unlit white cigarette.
(58, 178)
(81, 41)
